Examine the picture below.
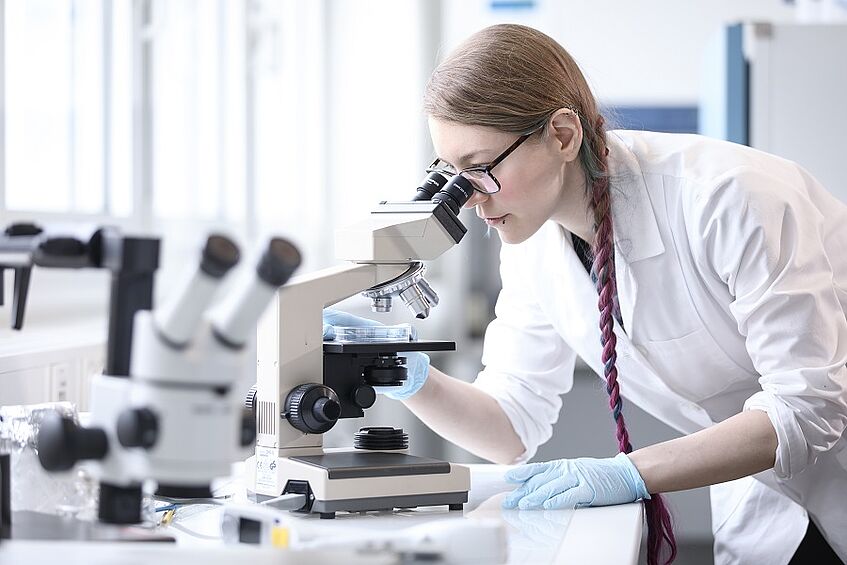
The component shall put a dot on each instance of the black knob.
(23, 229)
(248, 427)
(312, 408)
(138, 427)
(326, 410)
(364, 396)
(61, 443)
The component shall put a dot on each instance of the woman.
(721, 282)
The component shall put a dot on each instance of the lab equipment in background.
(16, 255)
(461, 541)
(780, 88)
(305, 385)
(66, 494)
(170, 412)
(5, 496)
(177, 418)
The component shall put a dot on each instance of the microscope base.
(455, 501)
(361, 481)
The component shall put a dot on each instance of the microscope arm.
(290, 336)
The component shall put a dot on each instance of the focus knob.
(312, 408)
(61, 443)
(248, 427)
(250, 400)
(138, 427)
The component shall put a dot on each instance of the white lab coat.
(732, 281)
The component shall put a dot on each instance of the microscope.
(305, 385)
(166, 407)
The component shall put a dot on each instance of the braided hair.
(595, 163)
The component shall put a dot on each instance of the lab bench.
(590, 535)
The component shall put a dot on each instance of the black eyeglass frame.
(486, 169)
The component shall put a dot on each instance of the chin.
(512, 237)
(516, 232)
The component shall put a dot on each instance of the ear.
(566, 132)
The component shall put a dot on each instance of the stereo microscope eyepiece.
(178, 318)
(279, 262)
(236, 319)
(219, 255)
(455, 193)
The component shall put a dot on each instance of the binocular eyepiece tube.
(236, 319)
(177, 320)
(454, 191)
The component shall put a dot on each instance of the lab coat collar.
(637, 235)
(636, 230)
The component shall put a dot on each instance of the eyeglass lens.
(481, 180)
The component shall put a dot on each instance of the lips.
(495, 220)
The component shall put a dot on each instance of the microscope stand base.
(455, 501)
(356, 481)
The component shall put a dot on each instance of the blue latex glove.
(417, 363)
(575, 483)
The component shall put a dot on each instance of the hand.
(417, 363)
(575, 483)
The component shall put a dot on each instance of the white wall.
(640, 53)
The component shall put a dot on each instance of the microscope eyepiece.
(236, 319)
(455, 193)
(279, 262)
(430, 186)
(219, 255)
(177, 319)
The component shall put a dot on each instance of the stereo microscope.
(167, 407)
(305, 385)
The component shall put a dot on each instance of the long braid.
(659, 527)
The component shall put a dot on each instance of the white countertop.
(591, 535)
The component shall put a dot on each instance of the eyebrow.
(467, 157)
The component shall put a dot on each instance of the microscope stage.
(360, 464)
(377, 348)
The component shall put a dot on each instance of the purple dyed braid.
(659, 527)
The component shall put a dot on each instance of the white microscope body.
(188, 362)
(167, 408)
(385, 254)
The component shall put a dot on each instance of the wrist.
(634, 479)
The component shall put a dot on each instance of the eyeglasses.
(480, 176)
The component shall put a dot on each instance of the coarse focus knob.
(250, 400)
(248, 427)
(62, 443)
(312, 408)
(138, 427)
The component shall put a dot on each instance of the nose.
(476, 198)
